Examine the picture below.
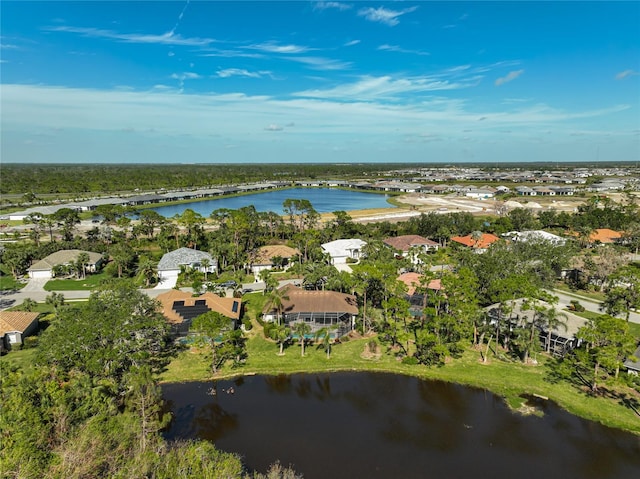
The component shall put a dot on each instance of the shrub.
(30, 342)
(409, 360)
(268, 326)
(248, 325)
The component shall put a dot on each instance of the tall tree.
(301, 329)
(213, 325)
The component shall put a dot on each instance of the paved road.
(35, 291)
(589, 304)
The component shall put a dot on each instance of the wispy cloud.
(331, 5)
(352, 43)
(320, 63)
(625, 74)
(384, 15)
(509, 77)
(395, 48)
(272, 47)
(186, 76)
(168, 38)
(251, 122)
(384, 87)
(240, 72)
(216, 52)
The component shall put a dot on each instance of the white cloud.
(331, 5)
(626, 73)
(385, 87)
(352, 43)
(186, 76)
(384, 15)
(395, 48)
(272, 47)
(240, 119)
(231, 72)
(509, 77)
(168, 38)
(320, 63)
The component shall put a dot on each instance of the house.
(522, 313)
(633, 363)
(43, 269)
(15, 326)
(604, 236)
(264, 256)
(172, 263)
(480, 193)
(180, 308)
(414, 295)
(343, 250)
(535, 235)
(319, 309)
(479, 243)
(410, 246)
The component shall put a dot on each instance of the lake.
(324, 200)
(373, 425)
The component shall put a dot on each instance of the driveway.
(35, 285)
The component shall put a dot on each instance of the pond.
(347, 425)
(324, 200)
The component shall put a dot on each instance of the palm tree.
(323, 336)
(553, 319)
(301, 329)
(81, 264)
(205, 265)
(146, 269)
(280, 334)
(276, 300)
(476, 236)
(28, 305)
(56, 300)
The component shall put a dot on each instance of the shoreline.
(464, 372)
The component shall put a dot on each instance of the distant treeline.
(110, 178)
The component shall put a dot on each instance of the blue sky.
(306, 82)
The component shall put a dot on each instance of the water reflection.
(381, 425)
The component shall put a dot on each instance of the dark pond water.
(324, 200)
(352, 425)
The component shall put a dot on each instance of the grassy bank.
(510, 380)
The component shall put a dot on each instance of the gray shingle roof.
(183, 256)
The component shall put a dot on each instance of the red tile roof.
(484, 242)
(412, 280)
(604, 235)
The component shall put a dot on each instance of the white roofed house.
(343, 250)
(175, 261)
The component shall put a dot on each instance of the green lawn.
(20, 359)
(7, 281)
(593, 295)
(87, 284)
(510, 380)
